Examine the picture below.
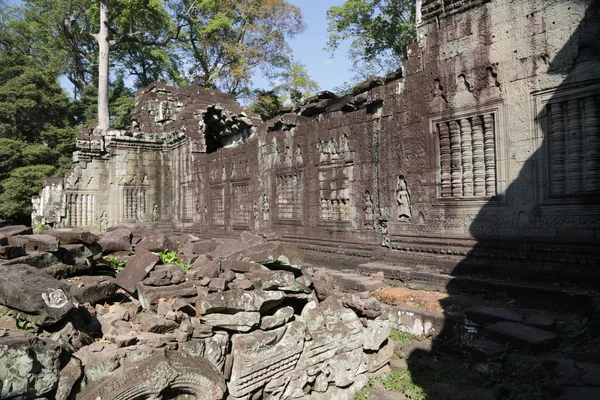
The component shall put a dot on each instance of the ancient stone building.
(485, 144)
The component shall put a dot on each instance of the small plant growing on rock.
(39, 227)
(115, 263)
(170, 257)
(21, 323)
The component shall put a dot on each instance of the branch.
(137, 37)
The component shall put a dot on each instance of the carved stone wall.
(489, 132)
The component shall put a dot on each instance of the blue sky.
(308, 47)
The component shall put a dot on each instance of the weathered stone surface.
(93, 289)
(541, 321)
(73, 236)
(483, 349)
(203, 246)
(369, 307)
(12, 230)
(36, 242)
(240, 266)
(281, 317)
(69, 379)
(10, 252)
(376, 332)
(29, 366)
(149, 295)
(157, 373)
(377, 360)
(136, 270)
(207, 267)
(214, 348)
(164, 275)
(241, 321)
(40, 298)
(116, 240)
(149, 322)
(276, 280)
(152, 241)
(483, 315)
(279, 351)
(521, 336)
(231, 301)
(217, 285)
(251, 238)
(275, 255)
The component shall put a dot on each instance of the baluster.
(478, 157)
(557, 149)
(574, 149)
(489, 150)
(467, 157)
(592, 141)
(455, 160)
(445, 159)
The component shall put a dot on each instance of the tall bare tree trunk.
(104, 48)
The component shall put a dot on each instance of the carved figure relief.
(403, 199)
(334, 149)
(298, 157)
(55, 298)
(103, 221)
(155, 213)
(289, 199)
(265, 208)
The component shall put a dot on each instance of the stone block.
(12, 230)
(67, 236)
(38, 297)
(136, 270)
(236, 300)
(376, 333)
(483, 315)
(93, 289)
(521, 336)
(116, 240)
(241, 322)
(280, 318)
(11, 252)
(149, 295)
(541, 321)
(379, 359)
(240, 266)
(484, 349)
(36, 242)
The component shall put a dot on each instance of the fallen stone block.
(236, 300)
(206, 267)
(12, 230)
(67, 236)
(541, 321)
(484, 349)
(241, 322)
(240, 266)
(280, 318)
(203, 246)
(136, 270)
(10, 252)
(376, 332)
(521, 336)
(379, 359)
(116, 240)
(149, 295)
(150, 322)
(93, 289)
(276, 255)
(152, 241)
(29, 366)
(36, 242)
(39, 298)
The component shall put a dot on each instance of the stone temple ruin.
(480, 156)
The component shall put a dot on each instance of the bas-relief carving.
(368, 211)
(403, 199)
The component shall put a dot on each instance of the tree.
(17, 190)
(266, 103)
(226, 41)
(295, 83)
(379, 30)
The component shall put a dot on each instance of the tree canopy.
(379, 31)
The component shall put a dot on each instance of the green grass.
(402, 382)
(401, 336)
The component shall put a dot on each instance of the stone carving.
(334, 184)
(289, 199)
(260, 357)
(403, 199)
(241, 212)
(333, 149)
(218, 205)
(265, 208)
(55, 298)
(298, 156)
(149, 377)
(80, 209)
(573, 155)
(155, 213)
(467, 157)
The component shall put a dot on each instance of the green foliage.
(21, 323)
(170, 257)
(402, 382)
(115, 263)
(379, 30)
(39, 227)
(21, 185)
(266, 103)
(401, 337)
(295, 83)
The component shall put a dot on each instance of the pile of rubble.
(238, 318)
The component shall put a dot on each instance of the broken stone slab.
(376, 332)
(69, 380)
(243, 284)
(73, 251)
(276, 280)
(93, 289)
(243, 321)
(150, 295)
(521, 336)
(156, 340)
(483, 315)
(159, 372)
(251, 238)
(369, 308)
(35, 242)
(379, 359)
(11, 230)
(227, 248)
(40, 298)
(276, 255)
(213, 348)
(29, 366)
(541, 321)
(150, 322)
(164, 275)
(236, 300)
(279, 353)
(68, 236)
(281, 317)
(484, 349)
(240, 266)
(78, 266)
(136, 270)
(217, 285)
(116, 240)
(206, 267)
(11, 252)
(152, 241)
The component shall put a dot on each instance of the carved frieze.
(289, 196)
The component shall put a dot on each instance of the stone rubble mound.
(236, 319)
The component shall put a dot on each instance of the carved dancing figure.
(155, 213)
(265, 207)
(103, 221)
(368, 209)
(403, 199)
